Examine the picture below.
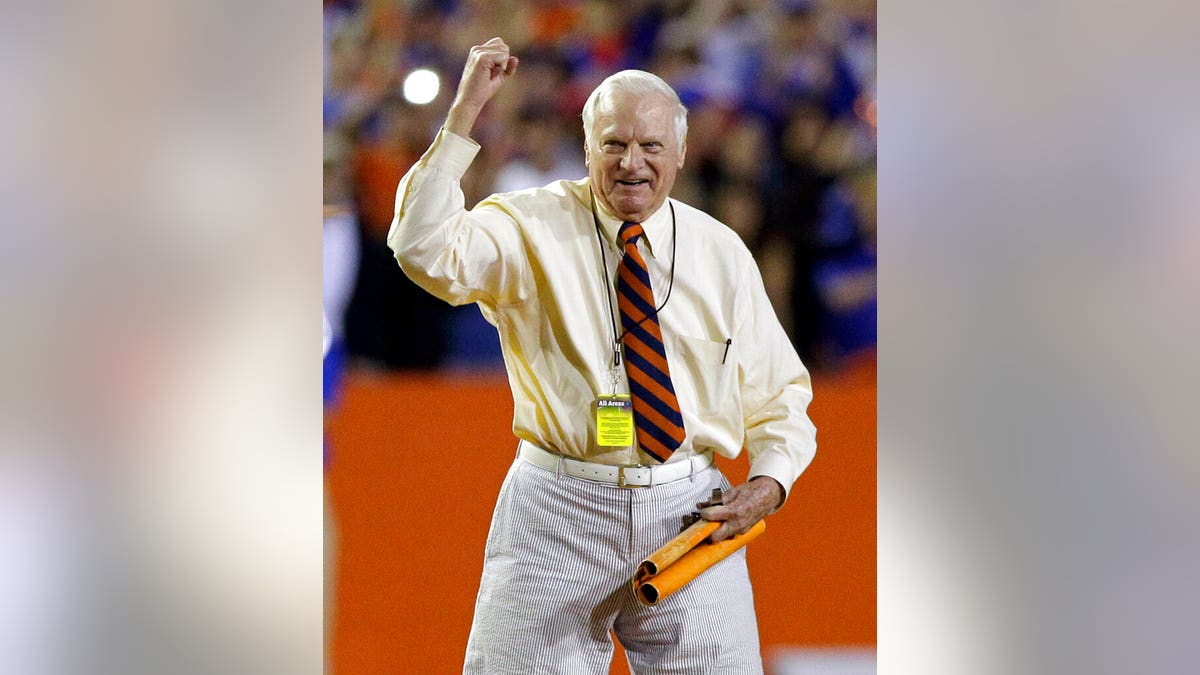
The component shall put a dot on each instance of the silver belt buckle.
(621, 475)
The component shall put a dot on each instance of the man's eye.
(612, 146)
(653, 146)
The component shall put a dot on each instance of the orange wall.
(410, 526)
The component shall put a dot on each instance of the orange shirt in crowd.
(379, 168)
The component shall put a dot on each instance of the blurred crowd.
(781, 147)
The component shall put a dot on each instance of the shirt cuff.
(451, 153)
(778, 467)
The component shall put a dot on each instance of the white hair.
(634, 82)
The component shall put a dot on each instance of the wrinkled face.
(632, 155)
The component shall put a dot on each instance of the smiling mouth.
(632, 182)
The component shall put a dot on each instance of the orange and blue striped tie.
(655, 408)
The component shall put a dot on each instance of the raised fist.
(489, 65)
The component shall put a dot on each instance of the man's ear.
(587, 154)
(682, 155)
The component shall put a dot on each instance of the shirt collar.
(656, 227)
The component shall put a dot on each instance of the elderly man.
(639, 341)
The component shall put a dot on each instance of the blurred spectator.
(390, 323)
(543, 154)
(746, 151)
(804, 176)
(742, 158)
(846, 276)
(388, 145)
(340, 253)
(353, 82)
(806, 61)
(739, 205)
(729, 38)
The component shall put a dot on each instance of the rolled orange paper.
(673, 550)
(654, 589)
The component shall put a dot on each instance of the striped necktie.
(655, 408)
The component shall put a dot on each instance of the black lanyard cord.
(618, 339)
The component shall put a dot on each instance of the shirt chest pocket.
(710, 369)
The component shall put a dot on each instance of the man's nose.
(633, 159)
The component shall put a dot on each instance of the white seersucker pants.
(556, 573)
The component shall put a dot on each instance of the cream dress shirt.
(532, 262)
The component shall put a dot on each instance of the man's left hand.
(744, 505)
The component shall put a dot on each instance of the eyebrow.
(612, 139)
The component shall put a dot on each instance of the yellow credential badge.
(614, 421)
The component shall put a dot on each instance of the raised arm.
(457, 255)
(489, 66)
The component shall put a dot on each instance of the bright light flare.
(421, 86)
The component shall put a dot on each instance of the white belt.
(621, 475)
